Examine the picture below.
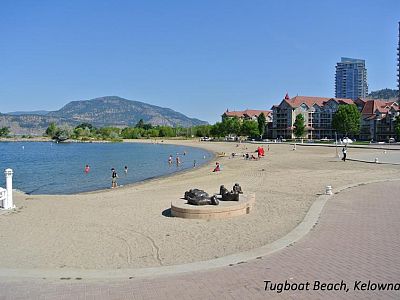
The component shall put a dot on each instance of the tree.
(261, 124)
(347, 119)
(62, 135)
(231, 126)
(52, 130)
(397, 127)
(299, 126)
(166, 131)
(4, 131)
(217, 130)
(84, 126)
(202, 130)
(140, 124)
(250, 128)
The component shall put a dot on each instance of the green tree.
(84, 126)
(347, 119)
(231, 126)
(299, 126)
(4, 131)
(397, 127)
(140, 124)
(52, 130)
(107, 133)
(153, 132)
(250, 128)
(62, 134)
(202, 130)
(132, 133)
(217, 130)
(166, 131)
(147, 126)
(261, 120)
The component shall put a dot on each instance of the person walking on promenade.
(344, 150)
(114, 177)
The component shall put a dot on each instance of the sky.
(196, 57)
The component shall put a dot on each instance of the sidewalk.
(357, 239)
(383, 156)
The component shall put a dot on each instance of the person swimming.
(126, 170)
(87, 169)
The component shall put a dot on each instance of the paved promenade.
(383, 156)
(356, 239)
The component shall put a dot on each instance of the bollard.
(376, 160)
(8, 203)
(328, 190)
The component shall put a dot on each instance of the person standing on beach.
(217, 167)
(344, 150)
(114, 177)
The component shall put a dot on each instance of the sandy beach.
(130, 227)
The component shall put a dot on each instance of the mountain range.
(100, 112)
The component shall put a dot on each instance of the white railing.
(3, 197)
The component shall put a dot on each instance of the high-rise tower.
(398, 69)
(351, 79)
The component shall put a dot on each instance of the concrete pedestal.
(225, 209)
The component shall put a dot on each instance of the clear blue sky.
(196, 57)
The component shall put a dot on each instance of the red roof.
(310, 101)
(248, 112)
(382, 106)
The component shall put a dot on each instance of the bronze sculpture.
(230, 196)
(200, 197)
(237, 188)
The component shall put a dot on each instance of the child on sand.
(217, 167)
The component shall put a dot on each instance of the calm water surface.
(49, 168)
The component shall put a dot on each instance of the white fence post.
(8, 202)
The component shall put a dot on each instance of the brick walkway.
(357, 238)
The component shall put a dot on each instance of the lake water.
(50, 168)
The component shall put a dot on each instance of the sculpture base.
(225, 209)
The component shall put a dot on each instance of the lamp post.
(337, 153)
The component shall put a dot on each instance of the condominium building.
(248, 114)
(377, 119)
(317, 112)
(351, 79)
